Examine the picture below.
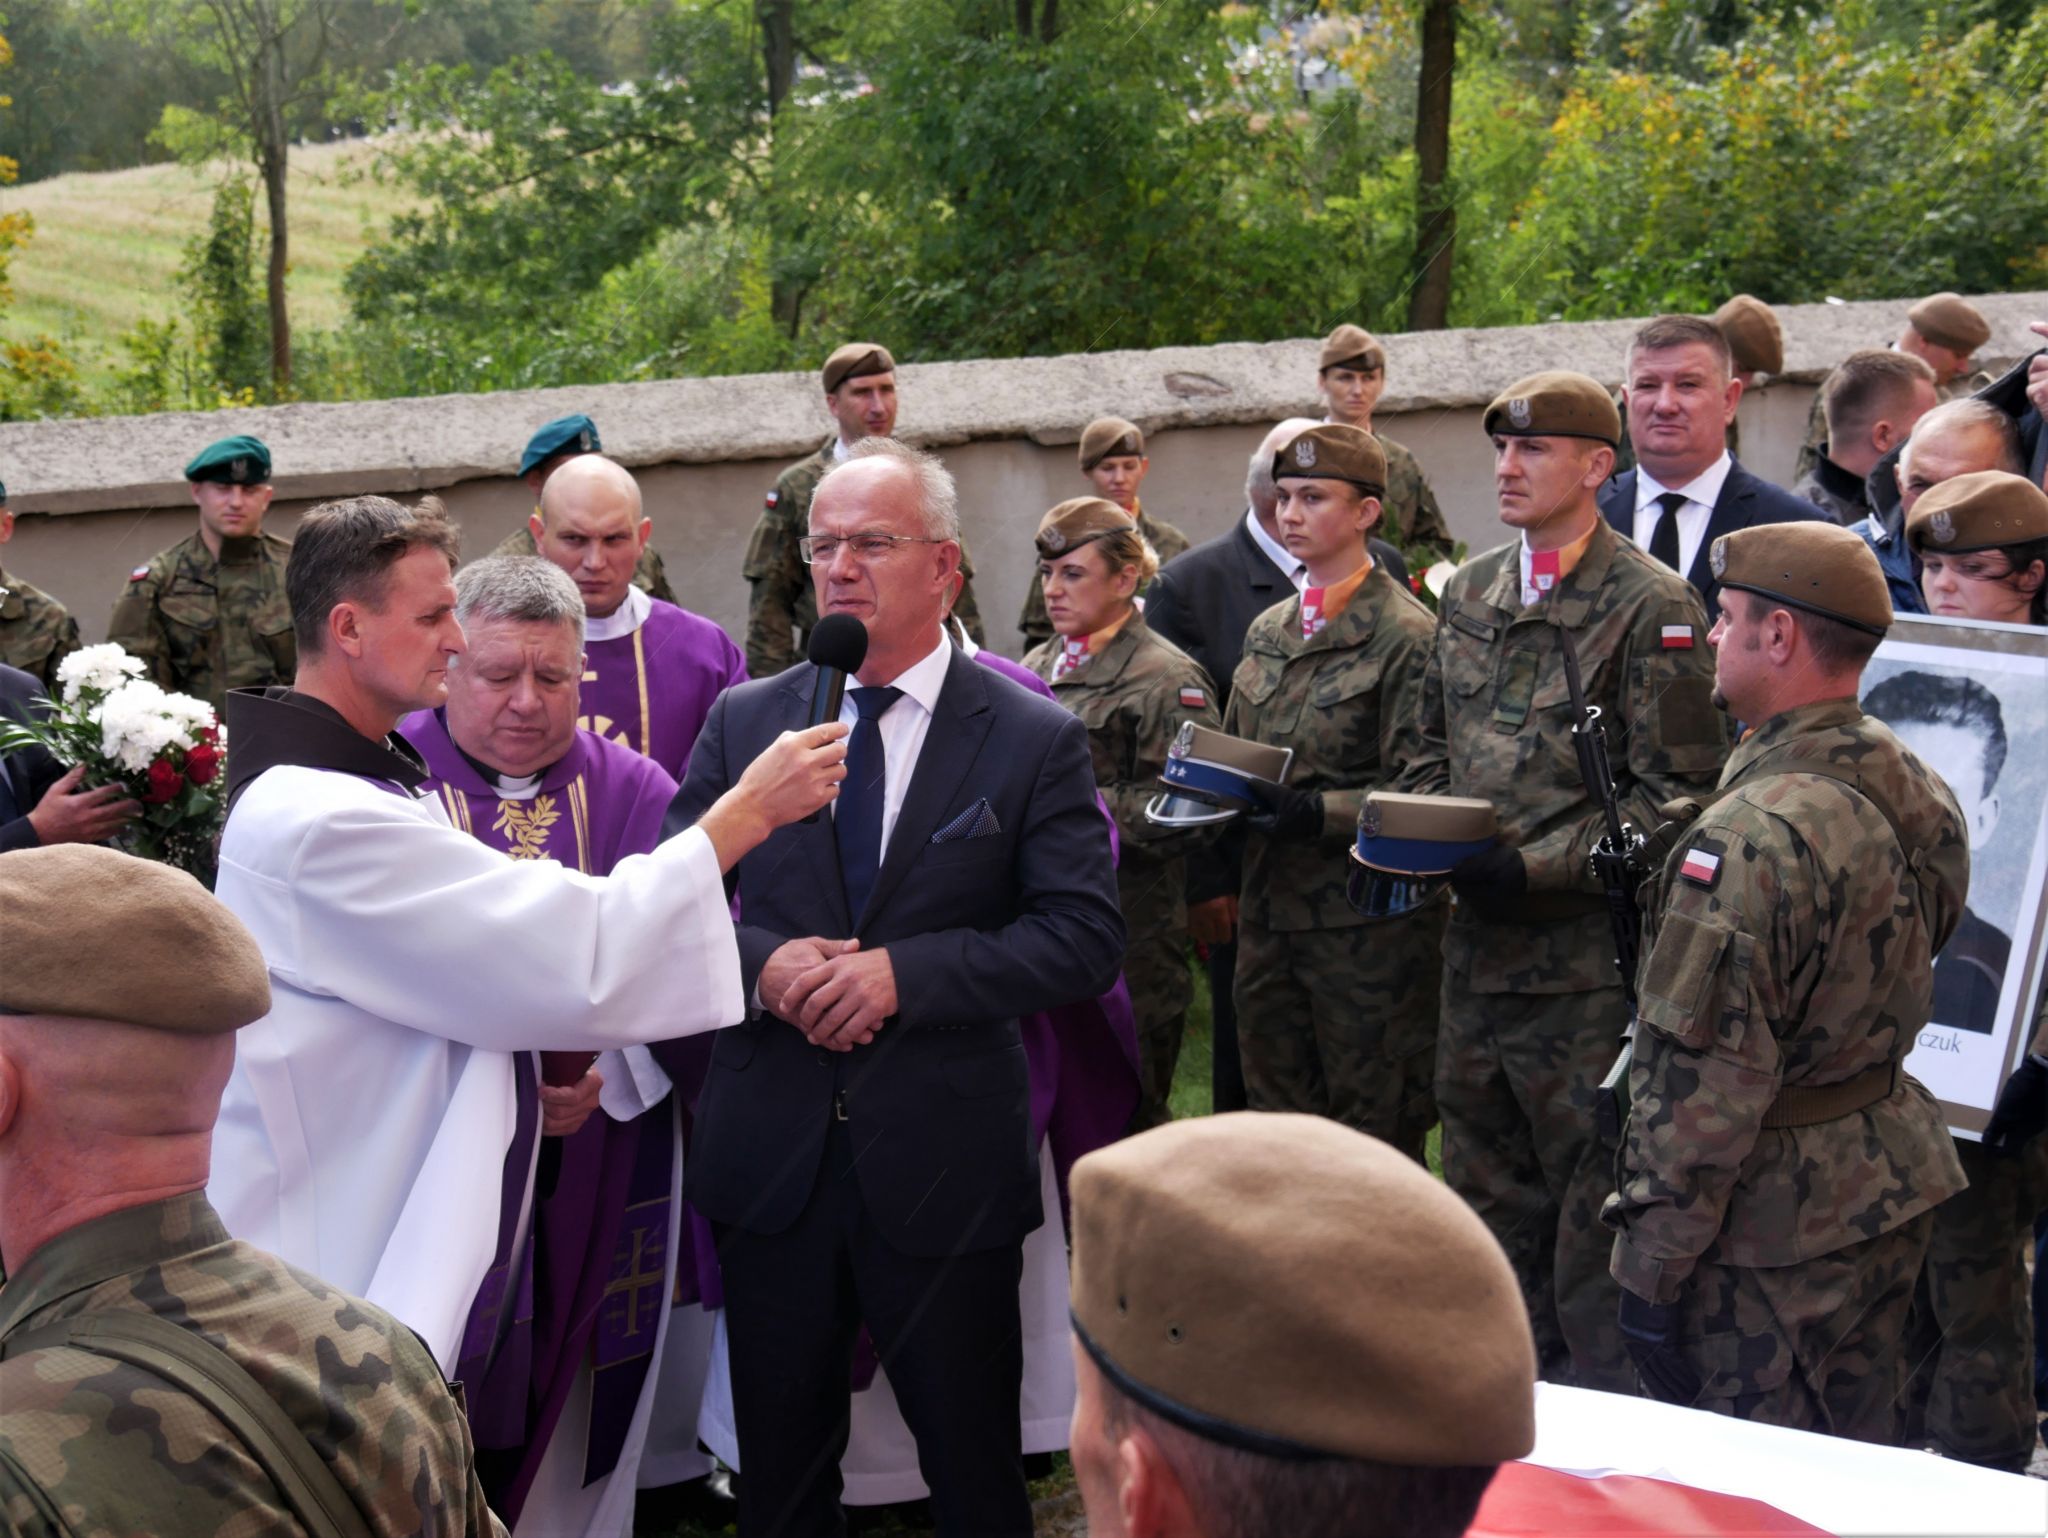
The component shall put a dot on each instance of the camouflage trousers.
(1517, 1080)
(1814, 1346)
(1970, 1336)
(1342, 1023)
(1156, 972)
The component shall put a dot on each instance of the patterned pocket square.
(978, 821)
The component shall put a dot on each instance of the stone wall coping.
(81, 465)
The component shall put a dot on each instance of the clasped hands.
(837, 994)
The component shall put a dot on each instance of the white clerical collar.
(523, 789)
(1277, 553)
(923, 680)
(624, 620)
(1704, 488)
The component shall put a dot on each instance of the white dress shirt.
(1290, 568)
(1700, 493)
(903, 726)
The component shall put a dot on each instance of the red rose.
(202, 764)
(1415, 586)
(210, 735)
(164, 783)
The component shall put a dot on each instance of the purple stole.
(650, 691)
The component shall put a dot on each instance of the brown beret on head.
(1078, 521)
(1352, 346)
(105, 936)
(1282, 1283)
(854, 361)
(1556, 403)
(1979, 511)
(1951, 321)
(1754, 337)
(1819, 567)
(1109, 435)
(1333, 452)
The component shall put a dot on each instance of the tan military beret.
(1754, 337)
(1282, 1283)
(1078, 521)
(1820, 567)
(1352, 346)
(185, 963)
(1109, 435)
(1333, 452)
(1979, 511)
(1951, 321)
(854, 361)
(1556, 403)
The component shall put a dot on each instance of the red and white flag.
(1678, 638)
(1701, 866)
(1072, 654)
(1312, 617)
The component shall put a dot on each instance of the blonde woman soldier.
(1132, 689)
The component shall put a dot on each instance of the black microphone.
(837, 647)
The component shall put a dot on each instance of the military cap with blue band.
(1211, 776)
(237, 461)
(1407, 844)
(565, 435)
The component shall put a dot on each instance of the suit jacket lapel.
(951, 744)
(1259, 571)
(1725, 516)
(816, 834)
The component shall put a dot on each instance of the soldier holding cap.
(1351, 375)
(36, 631)
(860, 397)
(210, 613)
(131, 1323)
(1982, 540)
(1944, 332)
(1132, 689)
(1779, 1167)
(553, 445)
(1532, 1008)
(1113, 458)
(1327, 1024)
(1274, 1313)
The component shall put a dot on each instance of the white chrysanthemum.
(135, 725)
(192, 714)
(102, 667)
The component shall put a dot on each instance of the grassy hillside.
(107, 246)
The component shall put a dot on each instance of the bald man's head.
(590, 524)
(1958, 438)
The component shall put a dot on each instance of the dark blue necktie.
(862, 796)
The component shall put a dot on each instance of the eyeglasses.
(819, 549)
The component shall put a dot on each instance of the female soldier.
(1331, 1020)
(1132, 690)
(1982, 540)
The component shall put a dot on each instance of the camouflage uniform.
(1413, 522)
(206, 626)
(1132, 696)
(1790, 1235)
(1032, 624)
(36, 631)
(92, 1446)
(648, 574)
(1532, 1008)
(782, 607)
(1335, 1018)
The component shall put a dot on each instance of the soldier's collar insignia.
(1305, 453)
(1717, 558)
(1518, 411)
(1941, 526)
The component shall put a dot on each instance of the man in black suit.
(1204, 601)
(863, 1145)
(40, 802)
(1687, 490)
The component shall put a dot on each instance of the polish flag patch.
(1700, 866)
(773, 498)
(138, 574)
(1678, 638)
(1194, 699)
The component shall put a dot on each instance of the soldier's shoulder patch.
(774, 497)
(1701, 865)
(1192, 698)
(1676, 638)
(138, 574)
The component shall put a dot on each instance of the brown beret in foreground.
(1333, 452)
(1109, 435)
(854, 361)
(1077, 521)
(105, 936)
(1352, 346)
(1820, 567)
(1978, 511)
(1951, 321)
(1556, 403)
(1284, 1284)
(1753, 333)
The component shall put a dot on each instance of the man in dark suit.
(1204, 601)
(1687, 490)
(40, 802)
(863, 1144)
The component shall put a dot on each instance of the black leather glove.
(1491, 881)
(2021, 1114)
(1293, 817)
(1650, 1331)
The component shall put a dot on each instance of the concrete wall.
(96, 498)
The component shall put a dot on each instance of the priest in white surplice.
(364, 1133)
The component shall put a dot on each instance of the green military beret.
(186, 963)
(1334, 452)
(237, 461)
(1556, 403)
(1755, 340)
(1819, 567)
(1951, 321)
(1286, 1285)
(1351, 347)
(565, 435)
(1979, 511)
(856, 360)
(1079, 521)
(1109, 435)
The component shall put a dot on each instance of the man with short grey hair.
(1953, 439)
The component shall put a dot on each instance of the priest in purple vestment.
(651, 670)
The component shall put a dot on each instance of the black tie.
(1664, 537)
(862, 796)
